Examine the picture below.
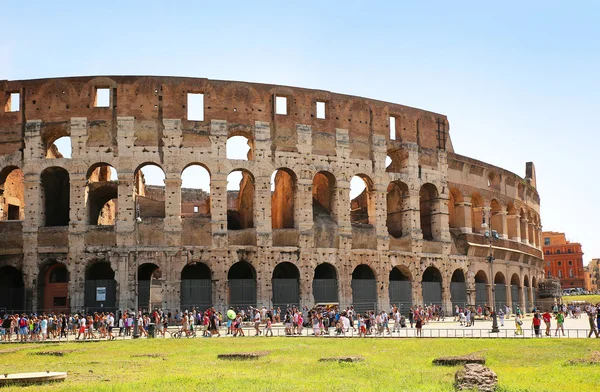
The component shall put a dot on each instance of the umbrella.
(231, 314)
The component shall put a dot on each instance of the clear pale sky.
(518, 82)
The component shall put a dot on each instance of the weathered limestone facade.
(423, 210)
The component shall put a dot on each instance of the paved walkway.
(574, 328)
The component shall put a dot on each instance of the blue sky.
(518, 82)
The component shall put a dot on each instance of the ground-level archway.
(53, 288)
(286, 286)
(458, 289)
(12, 290)
(481, 292)
(242, 285)
(148, 284)
(514, 292)
(499, 290)
(100, 288)
(196, 287)
(432, 286)
(364, 289)
(325, 284)
(400, 288)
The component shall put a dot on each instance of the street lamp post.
(491, 235)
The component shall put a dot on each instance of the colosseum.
(275, 226)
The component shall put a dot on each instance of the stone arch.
(325, 284)
(324, 203)
(56, 196)
(397, 205)
(456, 216)
(400, 288)
(364, 289)
(458, 289)
(481, 291)
(102, 193)
(515, 290)
(61, 147)
(494, 180)
(149, 189)
(240, 146)
(476, 212)
(196, 286)
(195, 191)
(240, 204)
(398, 159)
(149, 286)
(241, 279)
(499, 290)
(53, 287)
(286, 285)
(362, 206)
(12, 290)
(431, 284)
(512, 221)
(496, 212)
(100, 294)
(428, 209)
(283, 195)
(12, 193)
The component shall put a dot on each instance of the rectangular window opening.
(196, 209)
(102, 97)
(14, 102)
(195, 107)
(392, 128)
(281, 105)
(320, 109)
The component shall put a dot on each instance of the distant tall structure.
(564, 260)
(592, 275)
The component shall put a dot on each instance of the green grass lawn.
(293, 364)
(593, 299)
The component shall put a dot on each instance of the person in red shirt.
(547, 320)
(537, 321)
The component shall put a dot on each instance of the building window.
(559, 274)
(196, 209)
(568, 250)
(570, 262)
(559, 263)
(102, 99)
(281, 105)
(547, 252)
(14, 103)
(320, 110)
(546, 240)
(392, 128)
(195, 107)
(549, 274)
(570, 273)
(558, 251)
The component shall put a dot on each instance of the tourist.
(560, 321)
(593, 329)
(536, 323)
(547, 317)
(419, 326)
(81, 323)
(500, 315)
(110, 323)
(518, 325)
(257, 322)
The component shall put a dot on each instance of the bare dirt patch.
(342, 359)
(243, 356)
(592, 359)
(459, 360)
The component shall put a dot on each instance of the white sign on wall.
(100, 293)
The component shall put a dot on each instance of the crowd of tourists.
(321, 321)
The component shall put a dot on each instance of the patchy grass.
(593, 299)
(293, 363)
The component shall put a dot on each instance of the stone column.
(126, 207)
(77, 227)
(411, 220)
(514, 222)
(477, 219)
(218, 209)
(462, 212)
(531, 236)
(522, 298)
(343, 214)
(524, 231)
(172, 222)
(33, 220)
(439, 219)
(379, 214)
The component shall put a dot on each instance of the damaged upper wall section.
(101, 99)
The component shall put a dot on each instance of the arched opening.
(100, 288)
(325, 284)
(494, 180)
(458, 289)
(12, 194)
(361, 205)
(324, 210)
(500, 290)
(527, 293)
(521, 191)
(432, 286)
(523, 222)
(476, 213)
(53, 288)
(283, 193)
(396, 160)
(456, 209)
(286, 286)
(12, 290)
(195, 191)
(60, 148)
(196, 287)
(514, 292)
(149, 287)
(242, 285)
(428, 198)
(102, 194)
(364, 289)
(150, 191)
(397, 205)
(400, 288)
(240, 147)
(497, 212)
(240, 200)
(512, 221)
(481, 293)
(56, 195)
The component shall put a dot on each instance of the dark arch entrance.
(432, 286)
(149, 280)
(55, 182)
(53, 288)
(514, 292)
(100, 288)
(12, 291)
(364, 289)
(242, 285)
(286, 285)
(481, 297)
(196, 287)
(500, 290)
(400, 289)
(325, 284)
(458, 289)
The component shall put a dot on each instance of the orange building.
(592, 273)
(563, 260)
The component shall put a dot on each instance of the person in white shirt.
(257, 322)
(110, 321)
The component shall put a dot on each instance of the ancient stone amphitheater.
(78, 228)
